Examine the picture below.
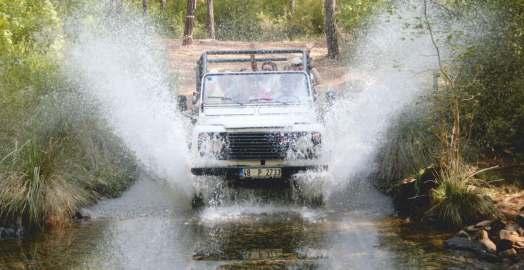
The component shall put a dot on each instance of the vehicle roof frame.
(206, 59)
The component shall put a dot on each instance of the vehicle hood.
(257, 116)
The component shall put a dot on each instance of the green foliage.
(476, 114)
(260, 20)
(410, 144)
(457, 201)
(491, 72)
(352, 14)
(68, 159)
(56, 155)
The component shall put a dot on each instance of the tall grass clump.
(458, 200)
(56, 153)
(34, 190)
(410, 146)
(66, 160)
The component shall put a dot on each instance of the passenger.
(265, 94)
(287, 96)
(254, 66)
(238, 89)
(297, 65)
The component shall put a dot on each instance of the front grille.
(255, 145)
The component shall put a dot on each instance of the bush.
(410, 145)
(67, 160)
(457, 201)
(35, 190)
(56, 155)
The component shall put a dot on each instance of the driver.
(237, 89)
(297, 65)
(287, 90)
(264, 89)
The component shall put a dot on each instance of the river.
(148, 228)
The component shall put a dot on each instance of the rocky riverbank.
(493, 240)
(497, 238)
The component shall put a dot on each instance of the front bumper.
(234, 172)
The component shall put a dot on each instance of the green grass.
(34, 190)
(68, 160)
(458, 200)
(410, 145)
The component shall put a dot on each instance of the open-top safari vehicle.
(252, 123)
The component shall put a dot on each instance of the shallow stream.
(148, 229)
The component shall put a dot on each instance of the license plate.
(261, 173)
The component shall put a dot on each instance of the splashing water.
(120, 63)
(123, 68)
(391, 66)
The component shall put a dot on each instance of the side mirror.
(194, 98)
(181, 102)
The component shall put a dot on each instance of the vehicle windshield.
(256, 88)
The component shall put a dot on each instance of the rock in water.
(463, 234)
(486, 243)
(83, 213)
(483, 224)
(511, 238)
(509, 235)
(462, 243)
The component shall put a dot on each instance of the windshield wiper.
(223, 99)
(270, 100)
(261, 99)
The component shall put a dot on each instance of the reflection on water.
(145, 230)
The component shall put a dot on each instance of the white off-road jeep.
(255, 124)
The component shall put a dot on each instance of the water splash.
(121, 64)
(391, 66)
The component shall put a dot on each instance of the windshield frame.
(202, 89)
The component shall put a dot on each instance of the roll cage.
(210, 58)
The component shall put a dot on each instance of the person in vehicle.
(291, 90)
(297, 65)
(237, 89)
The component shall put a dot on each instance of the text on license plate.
(261, 172)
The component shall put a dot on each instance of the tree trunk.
(190, 22)
(163, 5)
(144, 6)
(293, 5)
(210, 20)
(331, 29)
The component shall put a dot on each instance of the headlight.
(304, 145)
(211, 144)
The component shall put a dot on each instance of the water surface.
(148, 228)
